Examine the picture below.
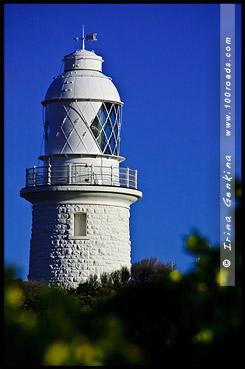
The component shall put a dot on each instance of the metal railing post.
(135, 179)
(127, 177)
(49, 174)
(92, 174)
(69, 173)
(34, 175)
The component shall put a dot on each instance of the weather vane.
(89, 37)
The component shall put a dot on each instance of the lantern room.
(82, 109)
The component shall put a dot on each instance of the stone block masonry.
(60, 258)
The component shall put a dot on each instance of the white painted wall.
(60, 258)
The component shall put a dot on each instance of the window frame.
(85, 235)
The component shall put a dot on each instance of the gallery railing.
(81, 174)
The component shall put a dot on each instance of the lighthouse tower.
(80, 196)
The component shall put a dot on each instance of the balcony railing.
(81, 174)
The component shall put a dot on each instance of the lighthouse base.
(78, 232)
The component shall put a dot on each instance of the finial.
(89, 37)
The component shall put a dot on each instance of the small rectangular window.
(80, 224)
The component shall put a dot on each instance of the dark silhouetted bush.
(149, 270)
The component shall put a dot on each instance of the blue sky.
(164, 61)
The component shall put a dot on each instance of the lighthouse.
(81, 195)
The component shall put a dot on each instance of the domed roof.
(82, 80)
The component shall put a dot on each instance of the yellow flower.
(175, 276)
(89, 354)
(222, 277)
(56, 354)
(14, 296)
(192, 240)
(205, 336)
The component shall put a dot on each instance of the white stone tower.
(80, 197)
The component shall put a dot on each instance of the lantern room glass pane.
(108, 106)
(112, 143)
(105, 128)
(102, 114)
(112, 116)
(107, 150)
(102, 141)
(96, 127)
(116, 130)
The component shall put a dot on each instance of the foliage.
(149, 270)
(196, 244)
(154, 316)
